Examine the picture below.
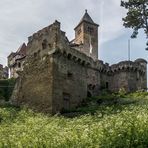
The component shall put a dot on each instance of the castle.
(59, 74)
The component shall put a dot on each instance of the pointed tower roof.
(86, 18)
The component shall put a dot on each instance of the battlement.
(81, 58)
(137, 65)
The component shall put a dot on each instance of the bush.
(6, 88)
(122, 92)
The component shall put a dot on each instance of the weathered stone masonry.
(3, 72)
(57, 75)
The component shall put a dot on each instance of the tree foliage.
(137, 16)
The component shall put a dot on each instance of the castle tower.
(86, 34)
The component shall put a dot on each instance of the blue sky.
(21, 18)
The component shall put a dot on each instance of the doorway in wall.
(106, 85)
(66, 100)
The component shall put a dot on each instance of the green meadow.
(107, 121)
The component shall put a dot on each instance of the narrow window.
(69, 74)
(89, 94)
(106, 85)
(90, 30)
(49, 45)
(44, 44)
(19, 65)
(35, 54)
(69, 56)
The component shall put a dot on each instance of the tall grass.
(120, 125)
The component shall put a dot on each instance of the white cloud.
(21, 18)
(111, 20)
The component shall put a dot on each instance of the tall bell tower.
(86, 34)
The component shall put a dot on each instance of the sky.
(19, 19)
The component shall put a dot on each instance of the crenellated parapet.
(82, 59)
(75, 55)
(137, 65)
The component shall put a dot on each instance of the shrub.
(6, 88)
(122, 92)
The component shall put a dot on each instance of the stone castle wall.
(129, 75)
(3, 72)
(57, 76)
(45, 41)
(70, 85)
(34, 85)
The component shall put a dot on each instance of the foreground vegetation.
(121, 121)
(6, 88)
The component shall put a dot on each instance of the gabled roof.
(12, 54)
(22, 49)
(86, 18)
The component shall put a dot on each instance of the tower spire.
(86, 33)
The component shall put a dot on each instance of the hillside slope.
(121, 121)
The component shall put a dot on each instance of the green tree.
(137, 16)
